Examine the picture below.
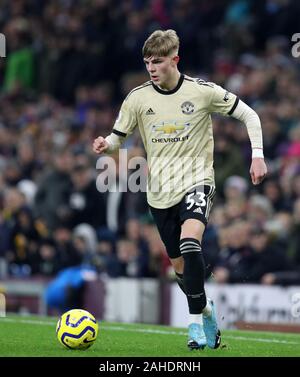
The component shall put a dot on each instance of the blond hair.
(161, 43)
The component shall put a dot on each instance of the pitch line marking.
(149, 331)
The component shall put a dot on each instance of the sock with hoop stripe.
(193, 274)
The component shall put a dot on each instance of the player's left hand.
(258, 170)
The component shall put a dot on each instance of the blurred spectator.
(24, 242)
(65, 291)
(4, 236)
(267, 257)
(290, 276)
(66, 251)
(294, 237)
(20, 60)
(129, 262)
(234, 253)
(26, 160)
(28, 189)
(228, 160)
(235, 187)
(54, 190)
(89, 237)
(259, 210)
(46, 262)
(272, 190)
(86, 203)
(158, 263)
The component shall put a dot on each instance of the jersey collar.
(177, 87)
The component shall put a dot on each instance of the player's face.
(161, 69)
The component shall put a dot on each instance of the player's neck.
(171, 83)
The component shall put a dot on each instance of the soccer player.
(173, 113)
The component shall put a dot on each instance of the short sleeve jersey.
(176, 129)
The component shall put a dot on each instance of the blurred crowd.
(69, 65)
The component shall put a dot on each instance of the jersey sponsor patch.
(170, 127)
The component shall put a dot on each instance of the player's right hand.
(100, 145)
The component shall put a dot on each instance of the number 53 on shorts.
(197, 203)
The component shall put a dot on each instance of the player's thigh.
(194, 211)
(169, 227)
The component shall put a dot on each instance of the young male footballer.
(173, 113)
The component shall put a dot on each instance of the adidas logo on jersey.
(150, 111)
(198, 210)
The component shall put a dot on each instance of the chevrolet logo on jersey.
(167, 128)
(170, 128)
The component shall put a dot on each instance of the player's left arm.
(249, 117)
(226, 103)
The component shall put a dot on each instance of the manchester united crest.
(187, 107)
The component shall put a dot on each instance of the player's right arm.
(100, 145)
(109, 144)
(123, 127)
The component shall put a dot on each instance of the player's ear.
(176, 59)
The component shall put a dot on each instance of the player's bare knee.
(192, 228)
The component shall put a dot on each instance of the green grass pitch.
(35, 336)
